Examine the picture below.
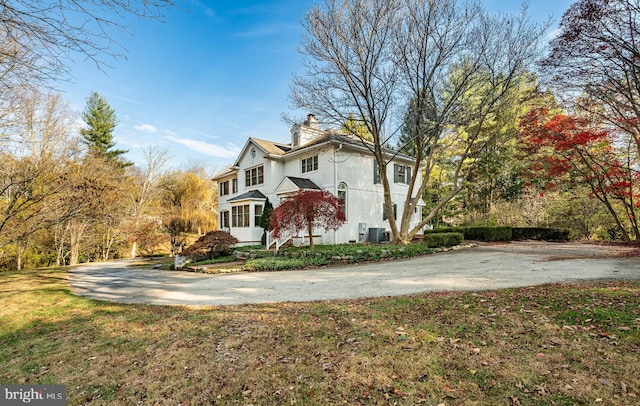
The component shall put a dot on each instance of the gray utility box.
(376, 235)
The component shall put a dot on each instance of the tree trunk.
(21, 249)
(310, 231)
(75, 236)
(134, 249)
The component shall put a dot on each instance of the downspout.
(335, 180)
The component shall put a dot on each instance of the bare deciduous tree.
(144, 190)
(387, 60)
(40, 37)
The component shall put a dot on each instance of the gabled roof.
(267, 148)
(229, 170)
(303, 183)
(354, 142)
(252, 194)
(271, 147)
(292, 184)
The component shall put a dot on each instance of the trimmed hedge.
(491, 234)
(437, 240)
(539, 234)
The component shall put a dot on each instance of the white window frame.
(344, 190)
(309, 164)
(254, 176)
(240, 216)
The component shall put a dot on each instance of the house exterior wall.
(337, 164)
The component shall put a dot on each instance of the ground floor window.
(342, 196)
(395, 212)
(224, 219)
(240, 216)
(257, 213)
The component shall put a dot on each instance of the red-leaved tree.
(567, 149)
(307, 210)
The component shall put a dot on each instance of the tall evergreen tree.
(101, 120)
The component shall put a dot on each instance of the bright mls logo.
(38, 395)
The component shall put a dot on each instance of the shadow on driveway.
(480, 268)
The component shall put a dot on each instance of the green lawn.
(550, 345)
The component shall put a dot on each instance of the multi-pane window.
(240, 216)
(257, 213)
(234, 185)
(395, 212)
(224, 188)
(342, 196)
(376, 173)
(310, 164)
(224, 219)
(254, 176)
(401, 174)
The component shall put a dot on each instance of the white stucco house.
(314, 159)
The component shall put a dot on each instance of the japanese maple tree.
(567, 149)
(211, 245)
(307, 210)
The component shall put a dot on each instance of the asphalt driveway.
(480, 268)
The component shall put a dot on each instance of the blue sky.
(212, 74)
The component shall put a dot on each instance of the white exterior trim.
(341, 159)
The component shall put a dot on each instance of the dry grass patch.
(556, 344)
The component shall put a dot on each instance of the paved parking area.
(479, 268)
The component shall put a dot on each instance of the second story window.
(254, 176)
(401, 174)
(234, 185)
(310, 164)
(376, 173)
(224, 188)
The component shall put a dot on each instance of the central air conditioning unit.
(376, 234)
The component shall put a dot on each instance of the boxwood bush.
(540, 234)
(491, 234)
(437, 240)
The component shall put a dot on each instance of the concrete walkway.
(479, 268)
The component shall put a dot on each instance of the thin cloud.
(228, 151)
(145, 128)
(265, 30)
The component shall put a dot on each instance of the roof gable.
(348, 141)
(265, 147)
(292, 184)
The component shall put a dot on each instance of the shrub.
(212, 244)
(436, 240)
(505, 233)
(280, 263)
(219, 260)
(489, 234)
(540, 234)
